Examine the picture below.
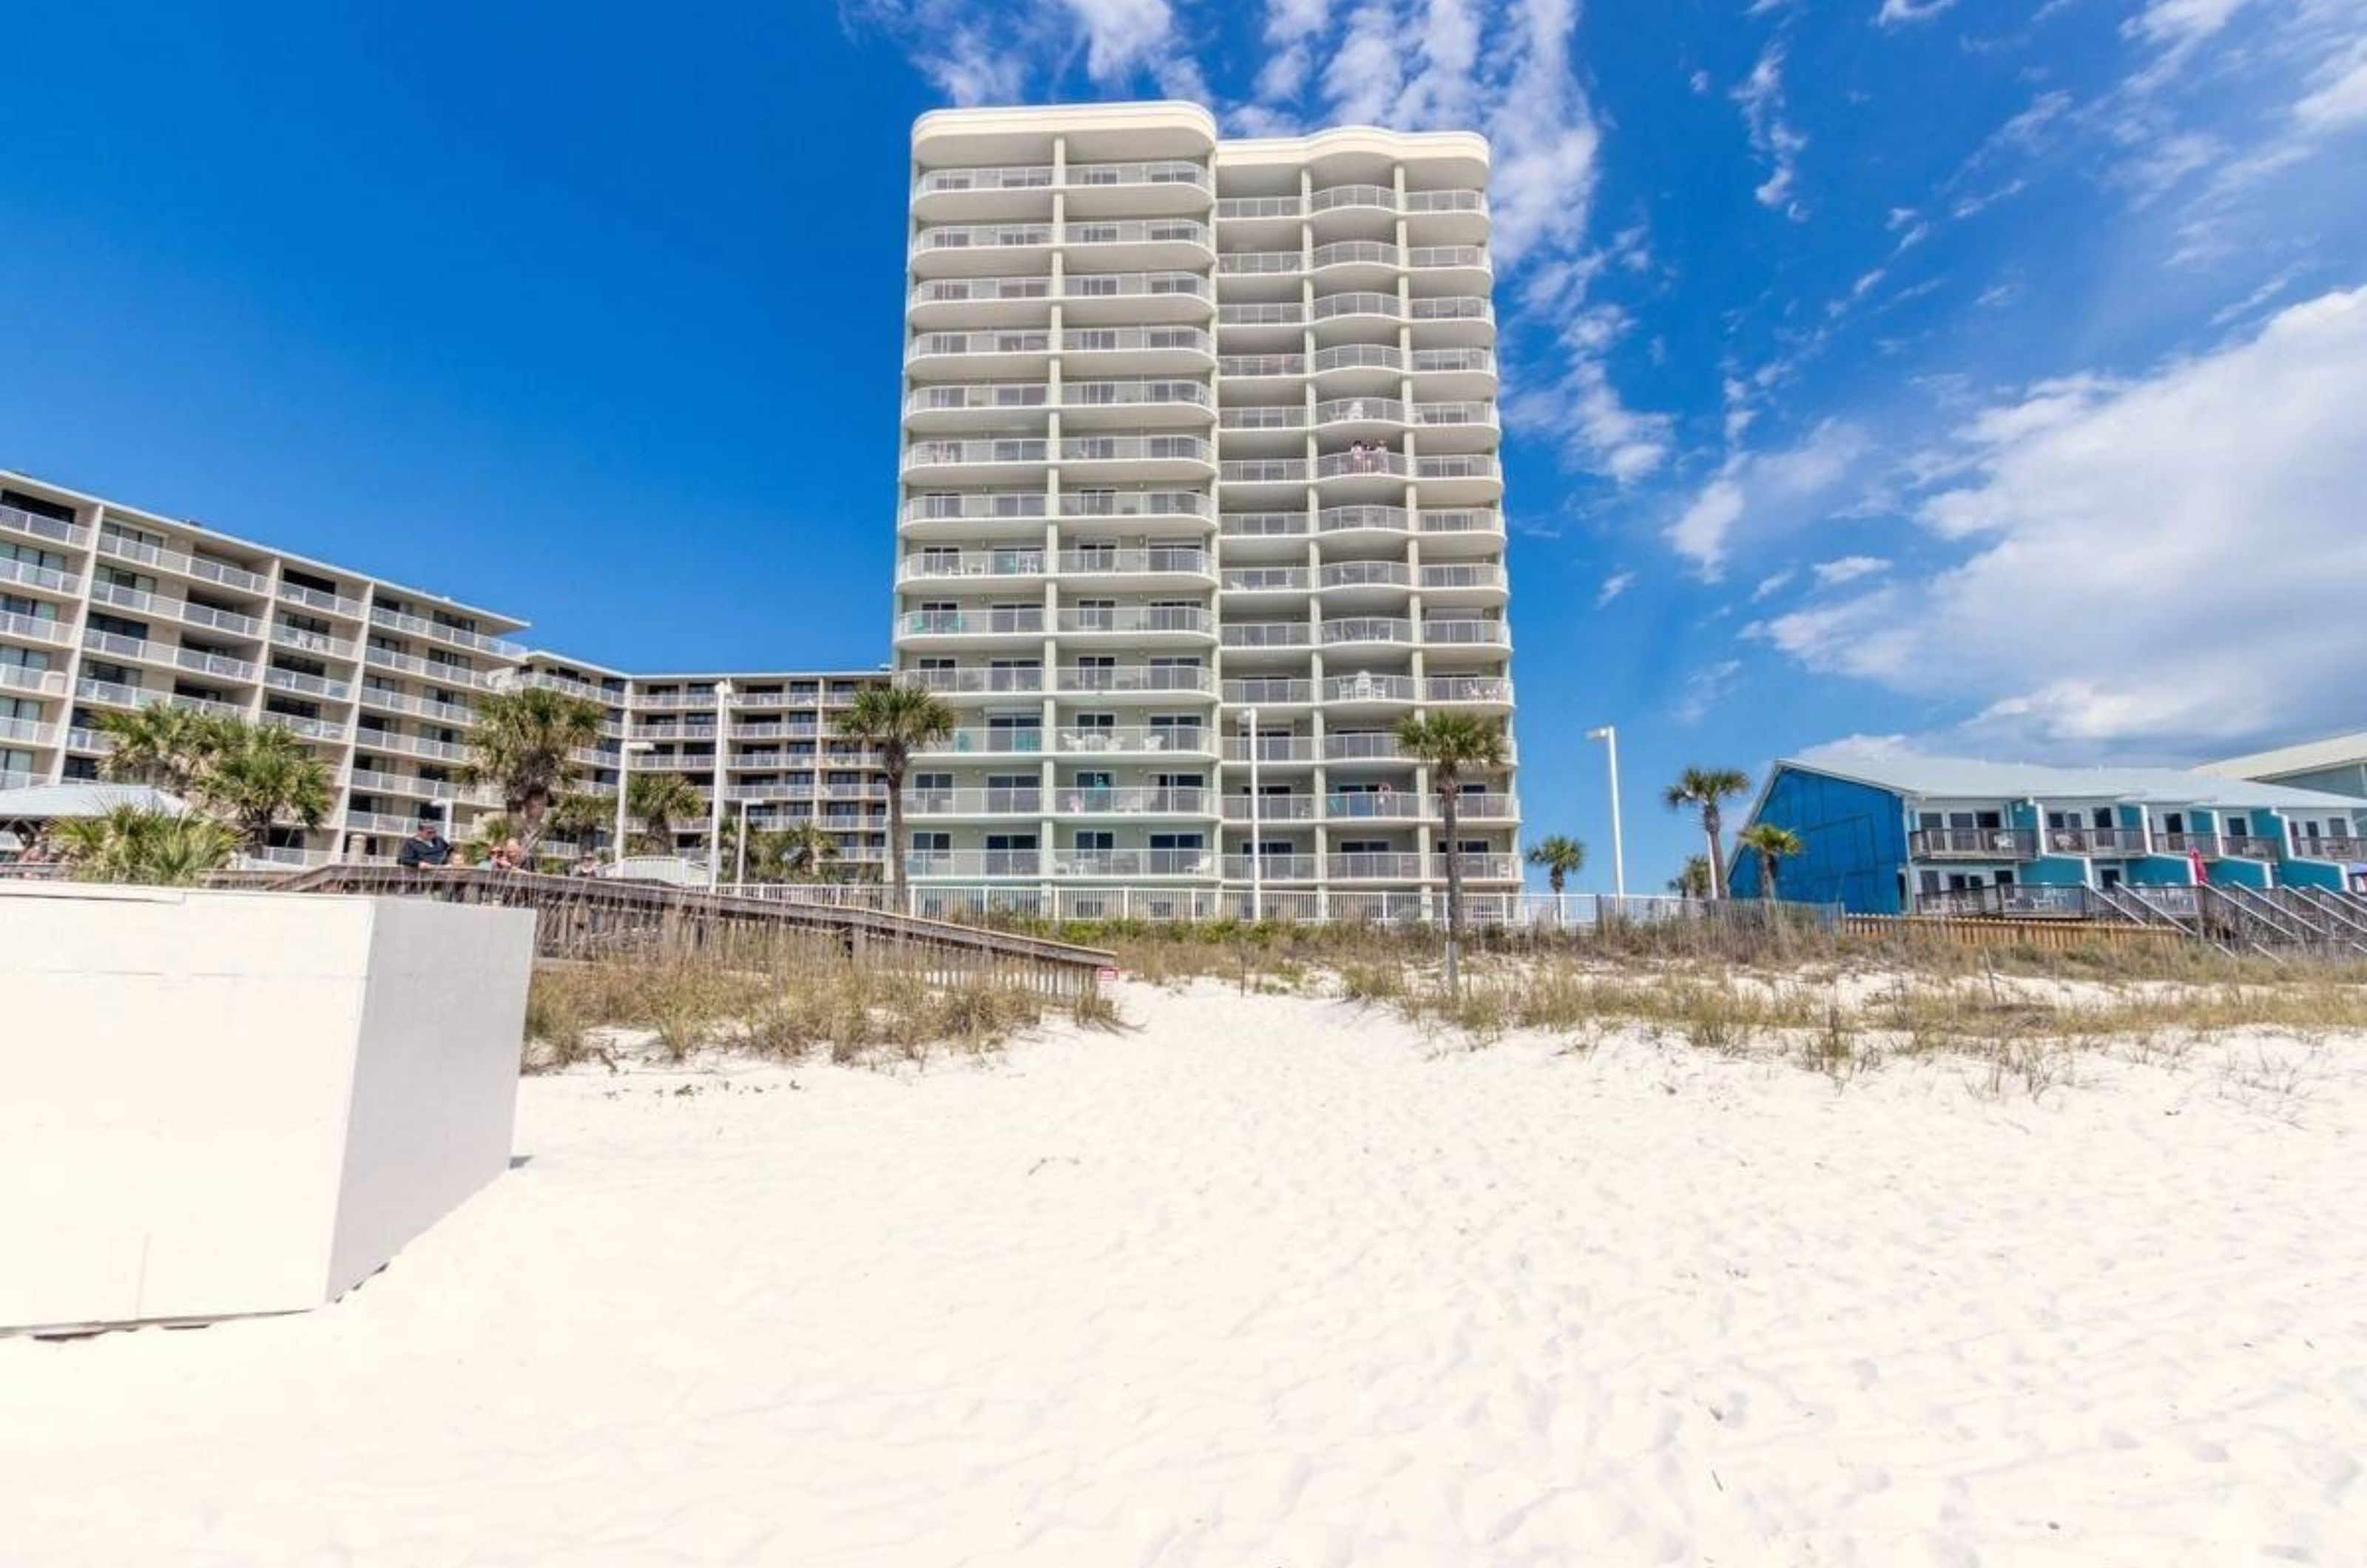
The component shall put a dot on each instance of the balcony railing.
(976, 680)
(929, 345)
(1130, 391)
(35, 628)
(1263, 809)
(976, 236)
(1266, 580)
(16, 520)
(1368, 865)
(970, 623)
(19, 678)
(2204, 844)
(1123, 339)
(2248, 846)
(943, 454)
(1134, 862)
(1095, 739)
(1143, 800)
(1466, 689)
(939, 565)
(1263, 524)
(1267, 634)
(1028, 741)
(1135, 448)
(1272, 868)
(2343, 848)
(1133, 503)
(1257, 690)
(27, 733)
(2113, 841)
(1264, 470)
(1003, 395)
(1482, 632)
(1251, 365)
(1361, 746)
(328, 604)
(1137, 618)
(1133, 284)
(977, 290)
(1272, 748)
(286, 636)
(1181, 559)
(1365, 687)
(1974, 843)
(197, 567)
(48, 579)
(303, 725)
(1137, 231)
(1367, 574)
(1367, 628)
(1136, 678)
(974, 802)
(1023, 176)
(311, 686)
(973, 863)
(1341, 519)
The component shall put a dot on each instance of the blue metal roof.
(1959, 778)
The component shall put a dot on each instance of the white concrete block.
(215, 1104)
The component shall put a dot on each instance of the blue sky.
(1976, 377)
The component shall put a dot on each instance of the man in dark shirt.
(425, 847)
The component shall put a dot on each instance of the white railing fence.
(1525, 911)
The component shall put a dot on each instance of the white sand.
(1274, 1282)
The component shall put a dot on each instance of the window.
(1094, 838)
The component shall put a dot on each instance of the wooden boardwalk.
(582, 918)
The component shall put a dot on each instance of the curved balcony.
(1378, 580)
(1450, 320)
(971, 404)
(1377, 522)
(934, 628)
(1362, 418)
(1270, 323)
(1465, 425)
(1459, 479)
(1002, 459)
(26, 732)
(1095, 351)
(1448, 216)
(1151, 244)
(1351, 368)
(1088, 298)
(1269, 479)
(1257, 209)
(1005, 353)
(1375, 471)
(1152, 682)
(1165, 565)
(1468, 691)
(989, 567)
(1451, 632)
(1115, 742)
(1146, 457)
(1454, 374)
(973, 801)
(1086, 507)
(1463, 582)
(1482, 524)
(1353, 263)
(1150, 625)
(976, 301)
(1135, 400)
(331, 730)
(981, 250)
(1010, 513)
(1268, 809)
(1236, 422)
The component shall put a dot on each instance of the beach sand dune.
(1274, 1281)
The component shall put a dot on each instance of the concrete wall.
(226, 1103)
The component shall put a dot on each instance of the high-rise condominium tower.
(1200, 499)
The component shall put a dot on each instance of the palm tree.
(159, 745)
(1773, 843)
(1560, 856)
(798, 852)
(523, 744)
(256, 776)
(578, 819)
(660, 800)
(1452, 744)
(1709, 788)
(128, 844)
(1694, 880)
(895, 721)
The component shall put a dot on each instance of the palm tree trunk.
(1710, 824)
(1767, 878)
(896, 837)
(1447, 811)
(532, 808)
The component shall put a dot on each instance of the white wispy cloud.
(2159, 563)
(1895, 12)
(1772, 136)
(1848, 568)
(1775, 491)
(1616, 584)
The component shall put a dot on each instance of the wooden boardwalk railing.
(593, 918)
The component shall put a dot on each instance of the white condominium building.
(105, 607)
(1200, 498)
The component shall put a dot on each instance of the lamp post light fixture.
(723, 695)
(625, 750)
(1609, 736)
